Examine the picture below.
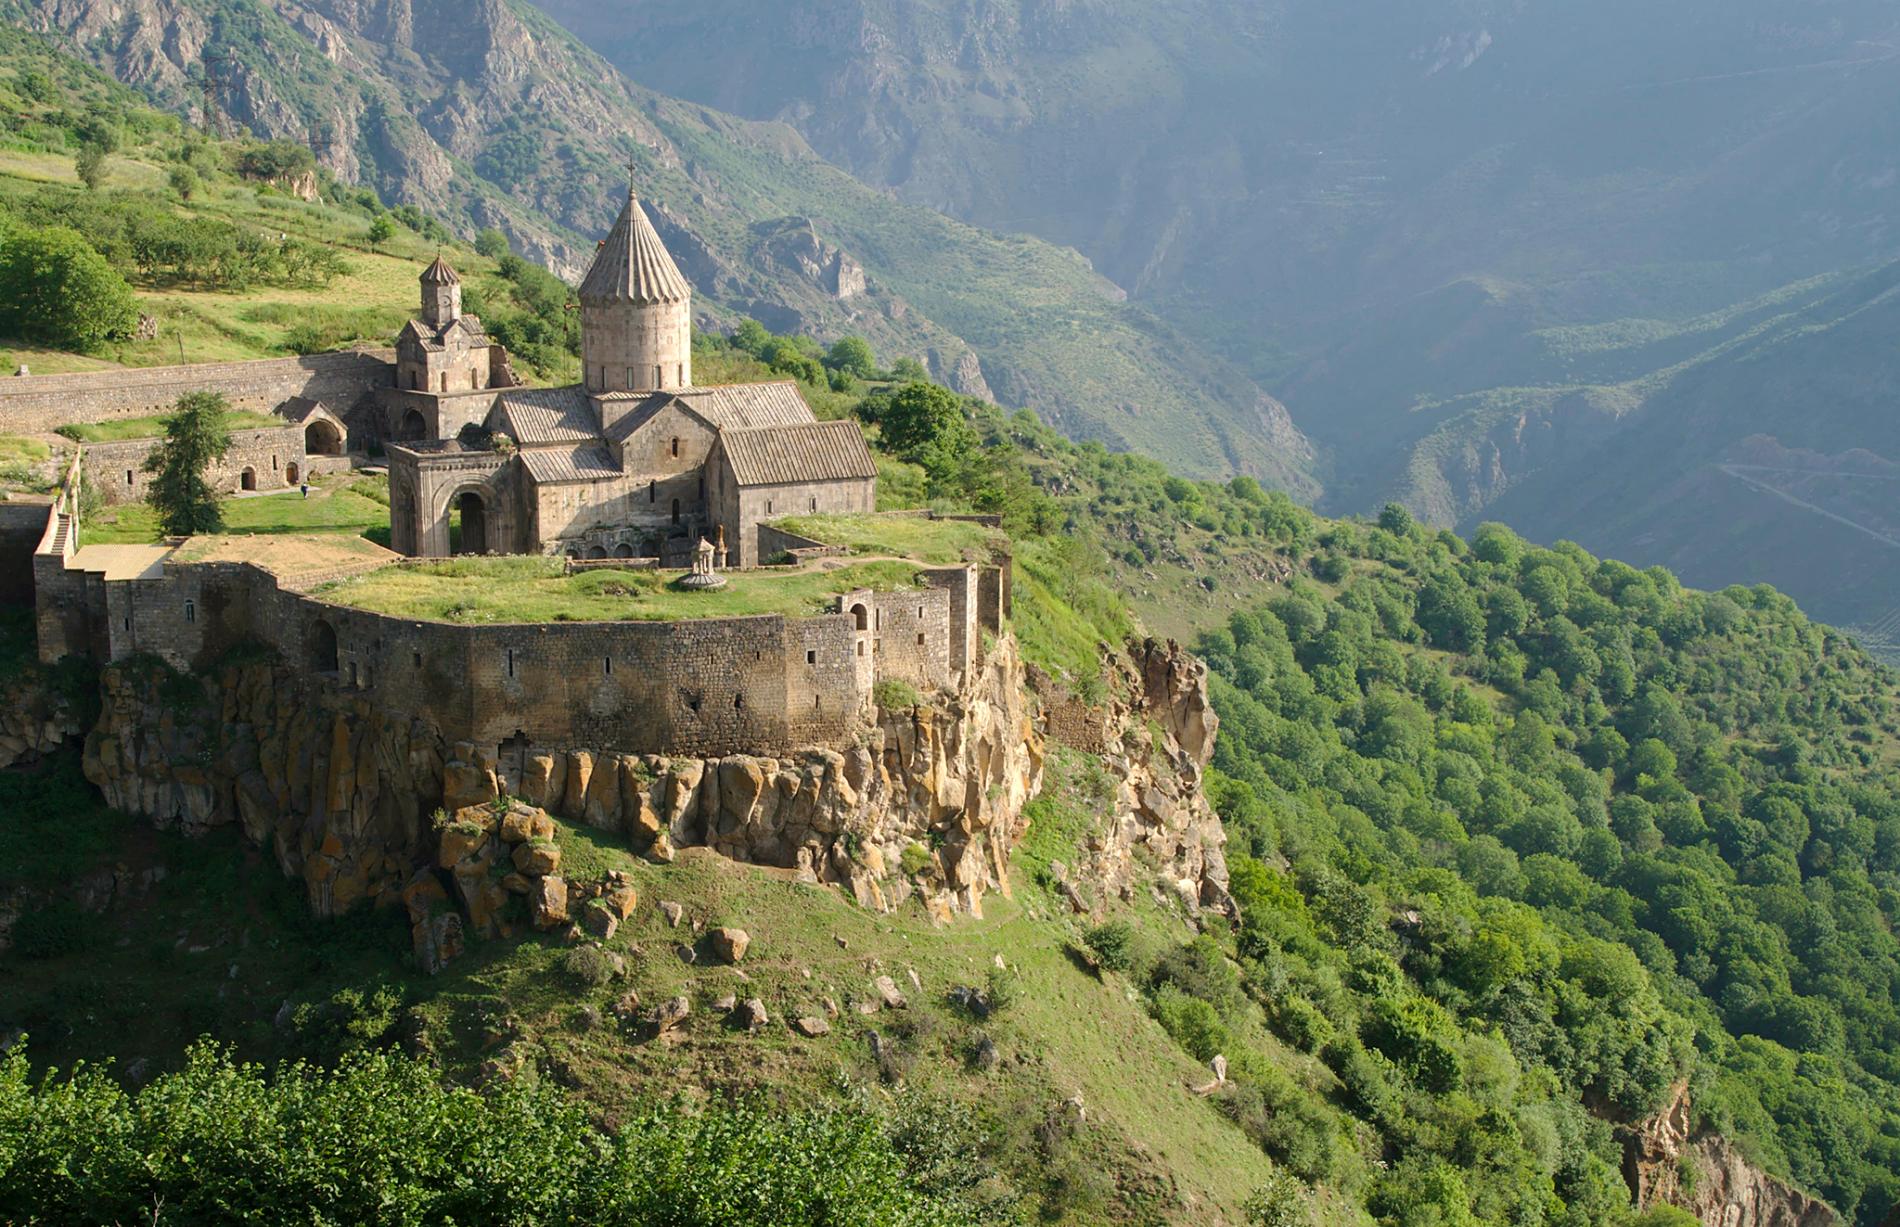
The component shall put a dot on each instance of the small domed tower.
(441, 295)
(636, 312)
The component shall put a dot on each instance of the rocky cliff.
(926, 800)
(1722, 1189)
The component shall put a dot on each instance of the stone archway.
(322, 438)
(468, 524)
(413, 428)
(623, 550)
(322, 645)
(291, 473)
(247, 480)
(861, 616)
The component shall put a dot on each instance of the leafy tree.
(183, 180)
(492, 243)
(90, 165)
(920, 419)
(381, 230)
(54, 287)
(852, 355)
(195, 438)
(909, 370)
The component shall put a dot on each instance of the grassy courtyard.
(520, 589)
(358, 506)
(153, 425)
(939, 542)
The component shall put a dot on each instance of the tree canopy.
(196, 437)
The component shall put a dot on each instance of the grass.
(153, 426)
(519, 590)
(368, 302)
(221, 941)
(21, 461)
(328, 509)
(932, 541)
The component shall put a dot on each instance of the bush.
(587, 966)
(55, 287)
(1113, 944)
(913, 860)
(1194, 1024)
(52, 931)
(183, 180)
(894, 695)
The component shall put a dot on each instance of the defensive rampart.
(33, 403)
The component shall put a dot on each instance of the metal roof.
(808, 452)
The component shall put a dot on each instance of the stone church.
(633, 461)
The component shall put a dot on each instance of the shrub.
(1194, 1024)
(587, 966)
(914, 859)
(1113, 944)
(1005, 989)
(894, 695)
(56, 287)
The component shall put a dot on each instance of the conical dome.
(632, 265)
(440, 273)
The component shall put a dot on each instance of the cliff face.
(1155, 735)
(1726, 1190)
(927, 800)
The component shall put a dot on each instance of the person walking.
(305, 487)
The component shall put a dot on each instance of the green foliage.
(491, 243)
(587, 966)
(921, 421)
(895, 694)
(853, 356)
(1113, 944)
(183, 180)
(348, 1021)
(381, 230)
(218, 1141)
(55, 288)
(196, 437)
(90, 165)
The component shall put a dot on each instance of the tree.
(195, 439)
(852, 355)
(184, 181)
(920, 416)
(55, 287)
(491, 243)
(90, 164)
(909, 369)
(381, 230)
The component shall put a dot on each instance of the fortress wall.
(965, 645)
(33, 403)
(705, 687)
(755, 504)
(22, 524)
(911, 637)
(117, 469)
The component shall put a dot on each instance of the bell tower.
(441, 295)
(636, 312)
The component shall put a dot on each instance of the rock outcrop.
(1726, 1190)
(34, 720)
(1155, 734)
(926, 801)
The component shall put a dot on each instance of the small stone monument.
(703, 577)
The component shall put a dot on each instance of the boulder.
(811, 1026)
(888, 994)
(618, 894)
(517, 825)
(599, 919)
(548, 902)
(466, 784)
(669, 1014)
(751, 1015)
(538, 857)
(457, 841)
(728, 944)
(673, 912)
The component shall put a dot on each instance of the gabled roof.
(545, 415)
(735, 406)
(785, 455)
(632, 265)
(440, 273)
(547, 465)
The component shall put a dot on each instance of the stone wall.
(22, 524)
(273, 455)
(35, 403)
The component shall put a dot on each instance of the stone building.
(633, 461)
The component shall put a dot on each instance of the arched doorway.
(322, 647)
(623, 550)
(321, 438)
(414, 427)
(596, 553)
(861, 616)
(468, 524)
(247, 480)
(291, 473)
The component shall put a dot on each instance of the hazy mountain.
(489, 114)
(1481, 249)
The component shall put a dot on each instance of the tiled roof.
(743, 406)
(558, 464)
(440, 273)
(632, 265)
(812, 451)
(546, 415)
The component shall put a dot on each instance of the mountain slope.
(490, 115)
